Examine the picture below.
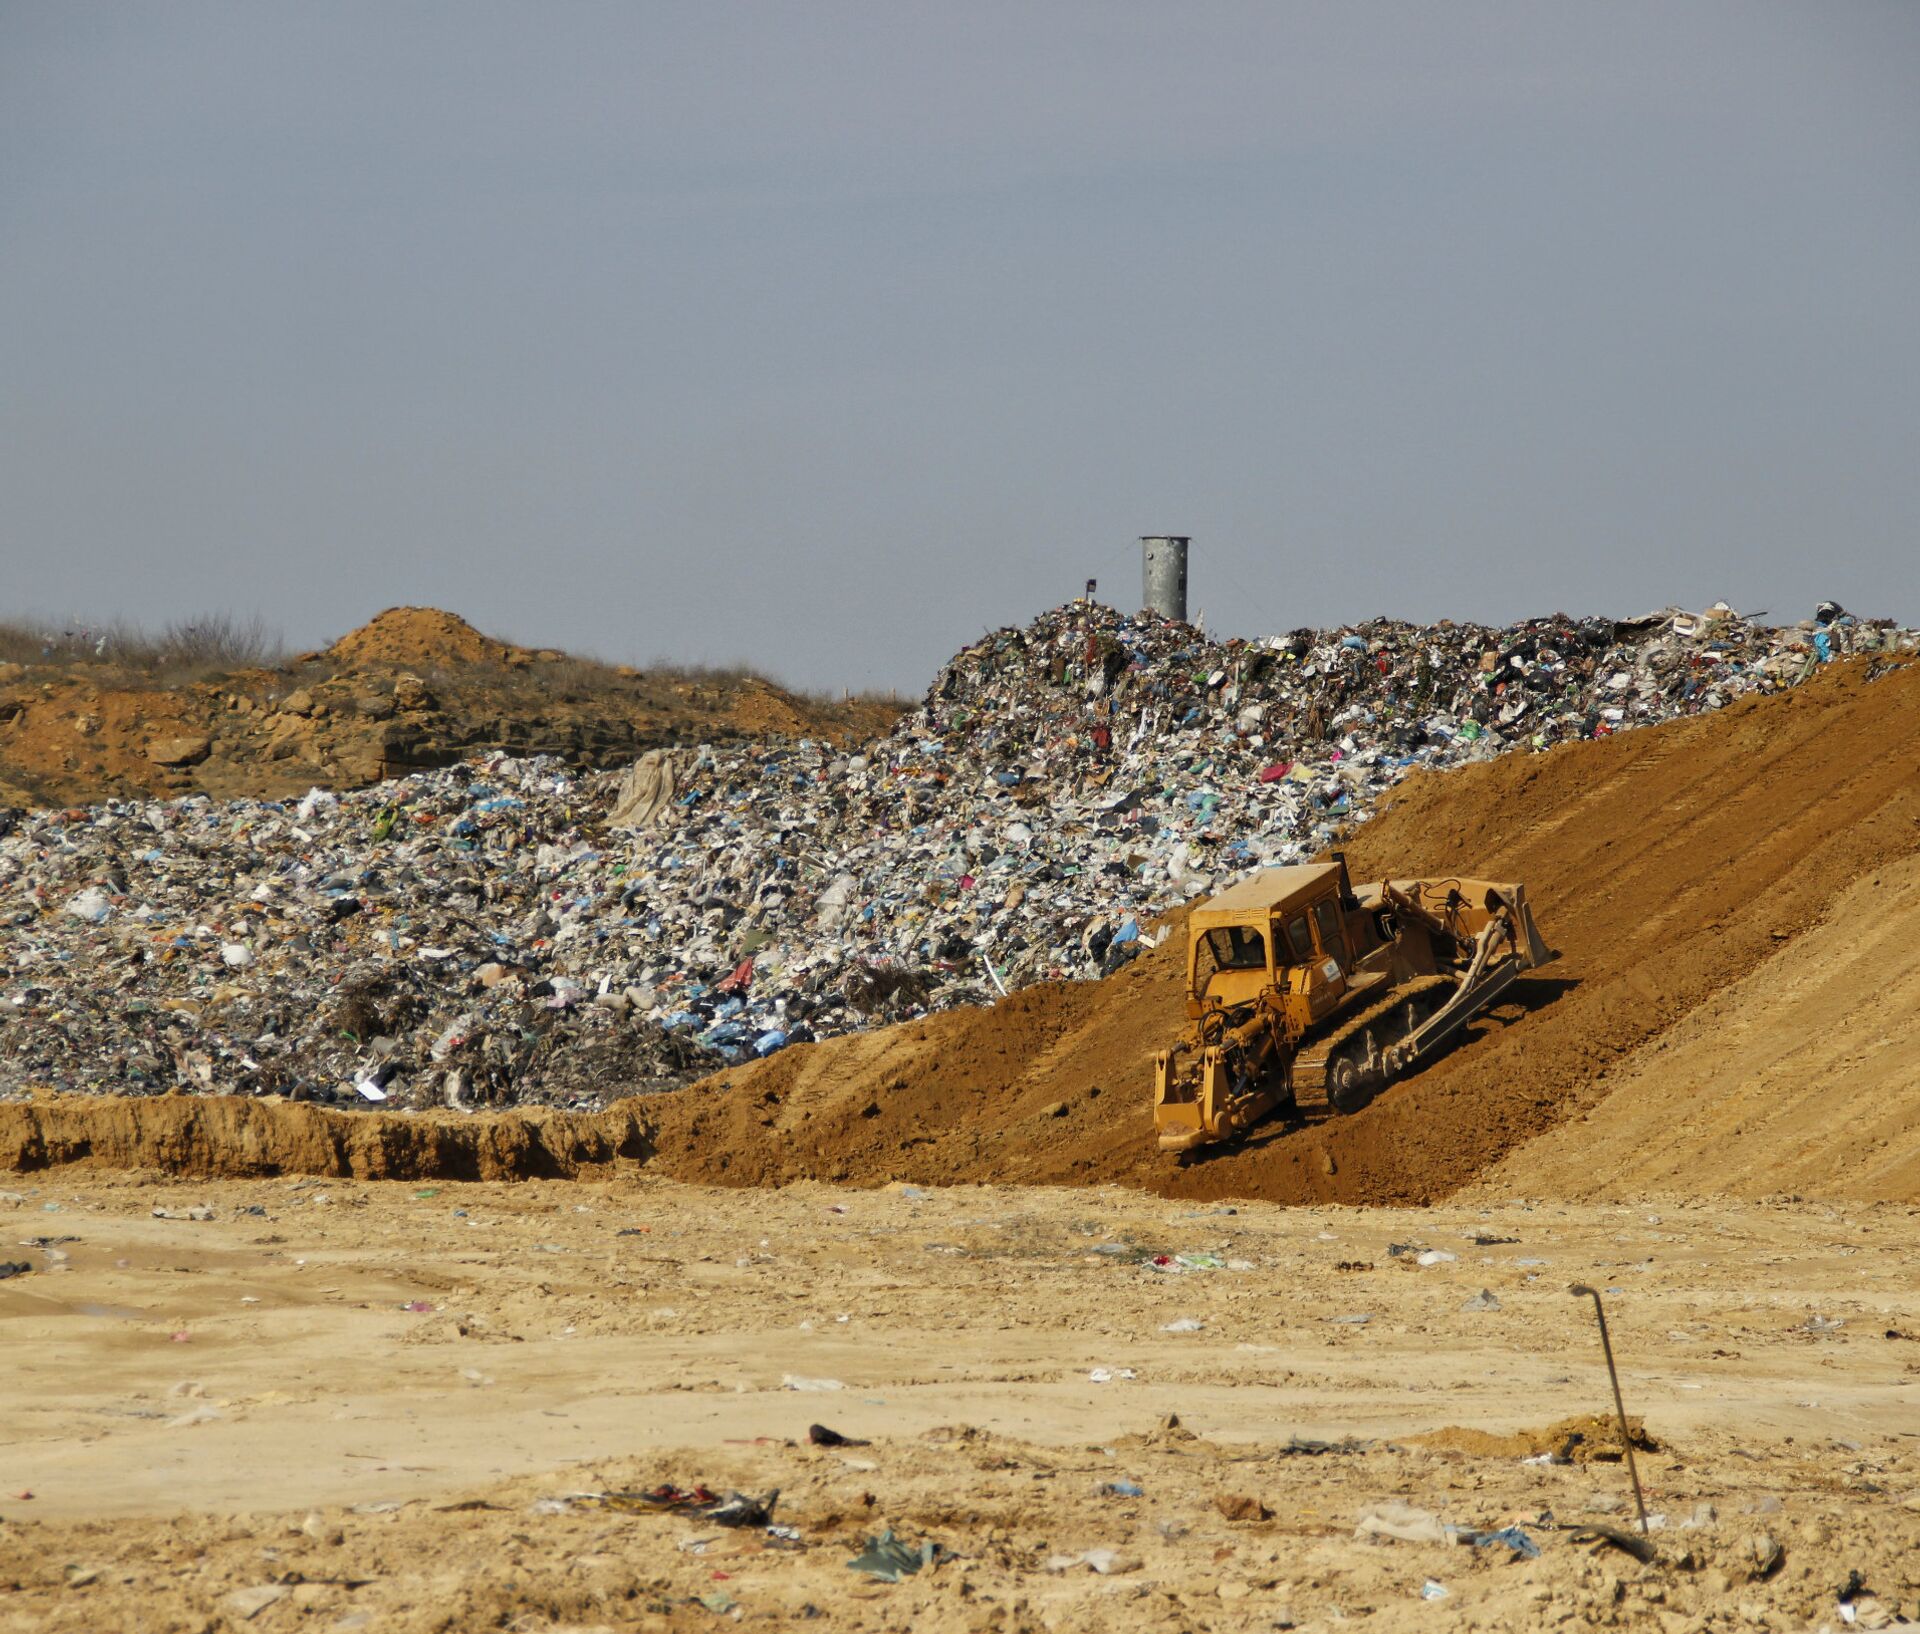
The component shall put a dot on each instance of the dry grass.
(186, 649)
(579, 679)
(740, 674)
(713, 675)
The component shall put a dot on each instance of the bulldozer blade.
(1534, 952)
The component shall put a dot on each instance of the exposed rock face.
(182, 751)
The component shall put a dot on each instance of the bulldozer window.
(1333, 942)
(1301, 938)
(1232, 947)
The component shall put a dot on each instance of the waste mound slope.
(1665, 866)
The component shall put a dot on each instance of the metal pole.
(1619, 1406)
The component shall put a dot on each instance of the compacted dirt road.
(349, 1405)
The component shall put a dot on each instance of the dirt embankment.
(1674, 869)
(228, 1135)
(414, 688)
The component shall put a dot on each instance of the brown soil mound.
(1586, 1438)
(423, 636)
(1668, 866)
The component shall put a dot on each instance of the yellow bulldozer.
(1298, 982)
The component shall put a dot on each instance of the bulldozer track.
(1325, 1048)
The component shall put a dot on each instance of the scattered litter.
(1601, 1536)
(821, 1436)
(205, 1413)
(199, 1211)
(249, 1603)
(1433, 1589)
(731, 1509)
(890, 1560)
(794, 1381)
(1184, 1324)
(1358, 1321)
(1176, 1263)
(1482, 1301)
(13, 1268)
(1123, 1489)
(738, 1510)
(1511, 1536)
(1107, 1562)
(1435, 1256)
(1296, 1446)
(1403, 1523)
(1106, 1375)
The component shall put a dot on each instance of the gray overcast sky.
(826, 335)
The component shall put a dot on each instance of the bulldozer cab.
(1280, 933)
(1229, 965)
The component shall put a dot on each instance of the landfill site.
(1399, 1126)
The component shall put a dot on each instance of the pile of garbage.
(509, 931)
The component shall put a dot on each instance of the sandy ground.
(347, 1405)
